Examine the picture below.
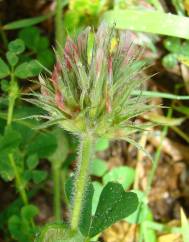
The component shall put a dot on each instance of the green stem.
(3, 36)
(12, 98)
(81, 179)
(58, 25)
(180, 133)
(19, 184)
(57, 192)
(13, 93)
(157, 155)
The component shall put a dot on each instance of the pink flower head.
(70, 53)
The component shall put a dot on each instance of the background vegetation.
(34, 165)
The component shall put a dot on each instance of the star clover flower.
(91, 89)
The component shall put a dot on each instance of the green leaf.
(9, 142)
(20, 231)
(20, 226)
(173, 45)
(14, 225)
(44, 144)
(98, 167)
(114, 205)
(22, 71)
(170, 61)
(97, 191)
(46, 58)
(141, 212)
(32, 161)
(163, 120)
(4, 69)
(12, 58)
(29, 211)
(149, 21)
(34, 68)
(28, 69)
(39, 176)
(102, 144)
(42, 44)
(30, 36)
(4, 85)
(123, 175)
(25, 22)
(16, 46)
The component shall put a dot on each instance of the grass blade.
(155, 22)
(26, 22)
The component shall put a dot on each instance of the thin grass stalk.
(157, 156)
(58, 25)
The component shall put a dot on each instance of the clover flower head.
(91, 89)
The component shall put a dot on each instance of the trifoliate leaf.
(4, 69)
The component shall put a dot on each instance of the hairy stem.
(56, 192)
(81, 179)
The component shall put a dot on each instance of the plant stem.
(157, 156)
(58, 25)
(180, 133)
(13, 93)
(12, 98)
(81, 179)
(3, 36)
(19, 184)
(56, 190)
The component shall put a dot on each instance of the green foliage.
(178, 52)
(76, 14)
(98, 167)
(20, 225)
(12, 58)
(141, 212)
(123, 174)
(44, 144)
(149, 21)
(17, 46)
(39, 176)
(9, 143)
(39, 44)
(32, 161)
(101, 144)
(4, 69)
(114, 204)
(25, 22)
(105, 201)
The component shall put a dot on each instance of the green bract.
(91, 91)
